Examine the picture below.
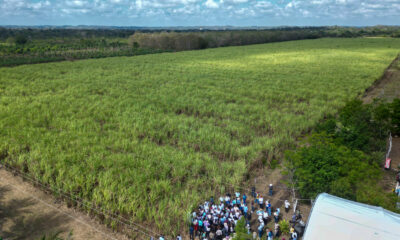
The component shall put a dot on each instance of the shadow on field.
(19, 221)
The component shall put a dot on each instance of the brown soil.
(29, 213)
(389, 177)
(387, 87)
(262, 180)
(395, 153)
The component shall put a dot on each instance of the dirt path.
(389, 177)
(395, 153)
(28, 213)
(388, 87)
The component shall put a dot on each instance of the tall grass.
(151, 136)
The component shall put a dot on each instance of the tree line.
(178, 41)
(33, 45)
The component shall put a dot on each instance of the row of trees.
(53, 56)
(41, 43)
(345, 154)
(210, 39)
(47, 33)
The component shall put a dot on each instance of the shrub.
(241, 230)
(284, 226)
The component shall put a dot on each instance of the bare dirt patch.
(389, 176)
(387, 87)
(29, 213)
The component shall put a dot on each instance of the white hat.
(270, 184)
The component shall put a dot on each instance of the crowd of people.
(217, 219)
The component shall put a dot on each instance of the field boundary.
(385, 75)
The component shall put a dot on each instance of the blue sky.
(200, 12)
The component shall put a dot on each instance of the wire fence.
(117, 218)
(61, 211)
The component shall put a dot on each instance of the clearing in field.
(151, 136)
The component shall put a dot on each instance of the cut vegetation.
(151, 136)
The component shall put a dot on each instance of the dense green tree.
(324, 166)
(21, 39)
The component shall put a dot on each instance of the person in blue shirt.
(269, 208)
(260, 230)
(270, 189)
(270, 235)
(244, 197)
(253, 192)
(245, 210)
(191, 232)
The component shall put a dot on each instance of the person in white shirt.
(294, 235)
(265, 217)
(261, 201)
(287, 206)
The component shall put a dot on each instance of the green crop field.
(151, 136)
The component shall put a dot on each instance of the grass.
(151, 136)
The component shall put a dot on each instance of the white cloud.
(211, 4)
(76, 3)
(202, 12)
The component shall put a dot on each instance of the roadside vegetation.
(344, 156)
(149, 137)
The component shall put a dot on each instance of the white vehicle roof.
(336, 218)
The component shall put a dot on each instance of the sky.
(162, 13)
